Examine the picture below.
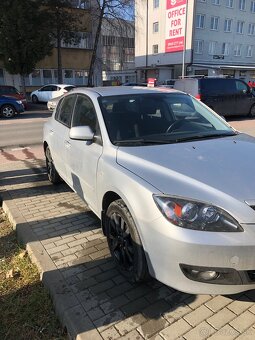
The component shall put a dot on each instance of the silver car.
(172, 182)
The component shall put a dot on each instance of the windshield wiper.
(142, 141)
(205, 136)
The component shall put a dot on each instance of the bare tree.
(65, 24)
(113, 11)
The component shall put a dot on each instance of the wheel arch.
(109, 197)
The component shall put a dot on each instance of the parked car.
(172, 182)
(11, 91)
(134, 84)
(10, 106)
(50, 91)
(52, 103)
(226, 96)
(168, 83)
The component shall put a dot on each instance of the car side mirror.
(81, 133)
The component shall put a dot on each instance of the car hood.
(214, 170)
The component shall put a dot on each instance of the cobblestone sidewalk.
(92, 299)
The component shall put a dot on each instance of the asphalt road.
(25, 129)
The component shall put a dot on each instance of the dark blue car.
(10, 106)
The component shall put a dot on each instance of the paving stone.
(101, 287)
(198, 315)
(198, 300)
(110, 334)
(57, 249)
(200, 332)
(138, 291)
(120, 289)
(156, 309)
(134, 335)
(128, 324)
(108, 320)
(239, 307)
(113, 304)
(249, 334)
(151, 327)
(72, 250)
(177, 312)
(95, 313)
(175, 330)
(243, 321)
(218, 302)
(225, 333)
(221, 318)
(135, 306)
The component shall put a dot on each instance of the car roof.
(59, 85)
(122, 90)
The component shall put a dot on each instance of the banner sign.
(175, 25)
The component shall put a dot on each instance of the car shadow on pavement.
(87, 288)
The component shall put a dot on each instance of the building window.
(155, 3)
(230, 3)
(214, 23)
(216, 2)
(200, 21)
(198, 46)
(155, 27)
(154, 49)
(242, 5)
(251, 29)
(237, 50)
(81, 40)
(249, 51)
(253, 6)
(239, 28)
(227, 25)
(225, 49)
(212, 47)
(83, 4)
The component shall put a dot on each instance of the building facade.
(118, 51)
(75, 58)
(195, 37)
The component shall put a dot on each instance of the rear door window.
(64, 115)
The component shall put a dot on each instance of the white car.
(47, 92)
(172, 182)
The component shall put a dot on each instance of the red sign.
(175, 25)
(151, 82)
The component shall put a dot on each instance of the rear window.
(5, 90)
(217, 86)
(68, 88)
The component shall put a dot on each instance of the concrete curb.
(67, 307)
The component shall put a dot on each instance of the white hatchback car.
(172, 182)
(47, 92)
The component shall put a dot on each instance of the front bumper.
(168, 247)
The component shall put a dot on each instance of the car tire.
(52, 173)
(252, 112)
(34, 99)
(124, 242)
(7, 111)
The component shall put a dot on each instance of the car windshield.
(8, 90)
(138, 119)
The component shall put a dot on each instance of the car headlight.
(19, 101)
(196, 215)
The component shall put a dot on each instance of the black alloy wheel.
(51, 170)
(124, 242)
(34, 99)
(252, 112)
(7, 111)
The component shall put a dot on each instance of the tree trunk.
(60, 75)
(94, 52)
(23, 85)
